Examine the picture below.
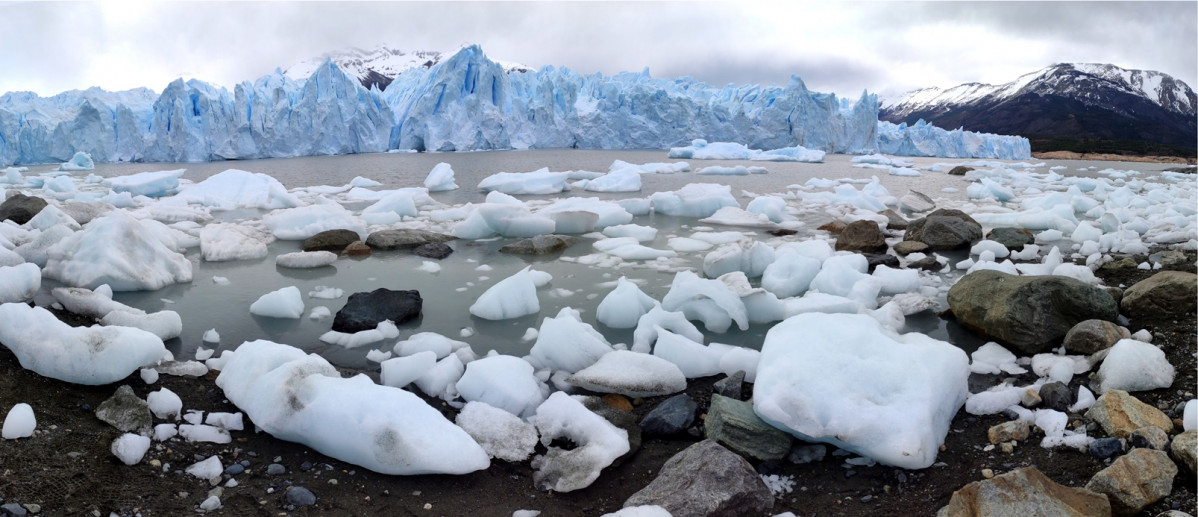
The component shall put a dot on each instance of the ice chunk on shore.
(1132, 365)
(566, 343)
(385, 330)
(165, 404)
(130, 448)
(117, 250)
(503, 435)
(707, 300)
(440, 178)
(301, 398)
(512, 297)
(790, 274)
(19, 422)
(691, 357)
(20, 282)
(599, 443)
(845, 380)
(631, 374)
(647, 327)
(504, 382)
(401, 371)
(283, 303)
(747, 255)
(623, 307)
(81, 355)
(207, 469)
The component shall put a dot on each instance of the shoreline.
(1107, 157)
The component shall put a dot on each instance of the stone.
(1169, 259)
(20, 208)
(540, 245)
(1090, 336)
(671, 417)
(1135, 480)
(944, 229)
(916, 201)
(806, 453)
(1014, 430)
(275, 469)
(433, 250)
(1120, 264)
(1171, 293)
(905, 248)
(125, 411)
(1013, 238)
(1021, 493)
(1184, 449)
(300, 496)
(1106, 448)
(404, 239)
(959, 170)
(356, 249)
(1120, 414)
(706, 479)
(619, 418)
(731, 385)
(862, 237)
(894, 221)
(833, 227)
(1115, 293)
(330, 240)
(1056, 396)
(1028, 313)
(734, 424)
(926, 264)
(1031, 398)
(618, 401)
(1149, 437)
(881, 259)
(364, 311)
(13, 509)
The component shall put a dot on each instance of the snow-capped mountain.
(1072, 101)
(380, 65)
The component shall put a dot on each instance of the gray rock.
(1013, 238)
(945, 229)
(806, 453)
(125, 411)
(1169, 259)
(959, 170)
(672, 416)
(1057, 396)
(330, 240)
(20, 208)
(356, 249)
(862, 237)
(300, 496)
(1170, 293)
(1173, 513)
(540, 245)
(926, 264)
(433, 250)
(1017, 430)
(881, 259)
(734, 424)
(235, 469)
(1105, 448)
(1120, 414)
(1150, 437)
(1091, 336)
(13, 510)
(706, 480)
(730, 386)
(1119, 264)
(275, 469)
(404, 239)
(1021, 493)
(1184, 449)
(1135, 480)
(915, 201)
(364, 311)
(1028, 313)
(905, 248)
(894, 221)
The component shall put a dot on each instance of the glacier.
(463, 103)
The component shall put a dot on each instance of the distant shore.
(1070, 155)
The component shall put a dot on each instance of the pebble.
(275, 469)
(14, 510)
(234, 469)
(300, 496)
(34, 508)
(987, 473)
(306, 466)
(333, 481)
(867, 498)
(1007, 447)
(1106, 448)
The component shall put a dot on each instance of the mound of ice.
(150, 184)
(19, 422)
(512, 297)
(221, 242)
(635, 231)
(503, 435)
(20, 282)
(440, 381)
(283, 303)
(302, 398)
(81, 355)
(1133, 365)
(398, 372)
(566, 343)
(165, 404)
(749, 256)
(650, 168)
(306, 259)
(537, 182)
(845, 380)
(623, 307)
(302, 222)
(234, 189)
(80, 162)
(790, 274)
(599, 443)
(693, 200)
(130, 448)
(992, 358)
(117, 250)
(735, 216)
(631, 374)
(706, 300)
(391, 208)
(622, 180)
(692, 358)
(385, 330)
(628, 248)
(164, 324)
(656, 319)
(504, 382)
(704, 150)
(440, 178)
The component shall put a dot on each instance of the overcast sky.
(839, 47)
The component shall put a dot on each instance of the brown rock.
(1165, 293)
(894, 221)
(617, 401)
(1135, 480)
(959, 170)
(706, 480)
(330, 240)
(356, 248)
(1184, 449)
(1007, 431)
(834, 227)
(908, 247)
(1091, 336)
(1022, 493)
(1120, 414)
(862, 237)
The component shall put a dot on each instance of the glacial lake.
(448, 293)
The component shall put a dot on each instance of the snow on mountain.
(380, 65)
(461, 102)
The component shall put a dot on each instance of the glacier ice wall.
(466, 102)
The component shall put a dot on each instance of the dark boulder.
(433, 250)
(330, 240)
(404, 239)
(364, 311)
(21, 208)
(540, 245)
(944, 229)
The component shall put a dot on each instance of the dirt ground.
(1070, 155)
(67, 469)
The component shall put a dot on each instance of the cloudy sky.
(841, 47)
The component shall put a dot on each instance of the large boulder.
(404, 239)
(1184, 447)
(364, 311)
(330, 240)
(1135, 480)
(861, 236)
(945, 229)
(1165, 293)
(706, 480)
(733, 424)
(1021, 493)
(1029, 313)
(1013, 238)
(540, 245)
(21, 208)
(1120, 414)
(1090, 336)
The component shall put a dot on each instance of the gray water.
(204, 304)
